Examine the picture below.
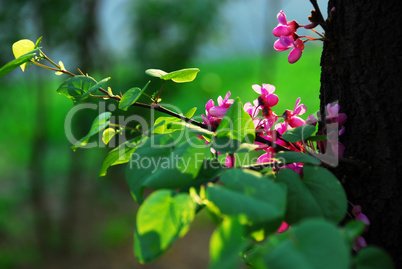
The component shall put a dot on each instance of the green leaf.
(100, 123)
(257, 200)
(155, 72)
(190, 127)
(161, 220)
(17, 62)
(299, 133)
(162, 162)
(373, 258)
(76, 87)
(353, 229)
(121, 154)
(318, 194)
(236, 128)
(93, 89)
(38, 42)
(131, 96)
(23, 47)
(313, 244)
(190, 113)
(108, 135)
(317, 138)
(226, 244)
(296, 157)
(181, 76)
(164, 128)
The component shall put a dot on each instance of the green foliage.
(162, 219)
(120, 154)
(100, 123)
(78, 88)
(226, 245)
(319, 194)
(20, 61)
(131, 96)
(296, 157)
(312, 244)
(299, 133)
(258, 202)
(373, 257)
(181, 162)
(179, 76)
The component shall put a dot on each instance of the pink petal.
(220, 101)
(256, 88)
(333, 110)
(299, 109)
(281, 30)
(272, 100)
(286, 41)
(227, 97)
(270, 88)
(279, 47)
(265, 158)
(295, 122)
(311, 120)
(248, 107)
(282, 18)
(284, 226)
(294, 55)
(217, 111)
(297, 102)
(209, 104)
(229, 161)
(359, 243)
(281, 128)
(338, 149)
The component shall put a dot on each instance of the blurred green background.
(55, 212)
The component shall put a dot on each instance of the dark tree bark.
(361, 69)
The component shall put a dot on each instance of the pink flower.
(287, 42)
(214, 113)
(284, 28)
(291, 116)
(223, 105)
(229, 161)
(334, 116)
(296, 53)
(357, 212)
(268, 156)
(267, 99)
(359, 243)
(311, 120)
(283, 228)
(286, 31)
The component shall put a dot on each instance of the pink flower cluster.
(271, 126)
(213, 114)
(360, 242)
(286, 31)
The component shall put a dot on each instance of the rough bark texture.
(361, 69)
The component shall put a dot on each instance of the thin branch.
(321, 20)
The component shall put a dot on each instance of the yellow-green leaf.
(61, 68)
(22, 47)
(183, 75)
(108, 135)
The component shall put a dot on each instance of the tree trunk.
(361, 69)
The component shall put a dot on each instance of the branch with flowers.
(260, 175)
